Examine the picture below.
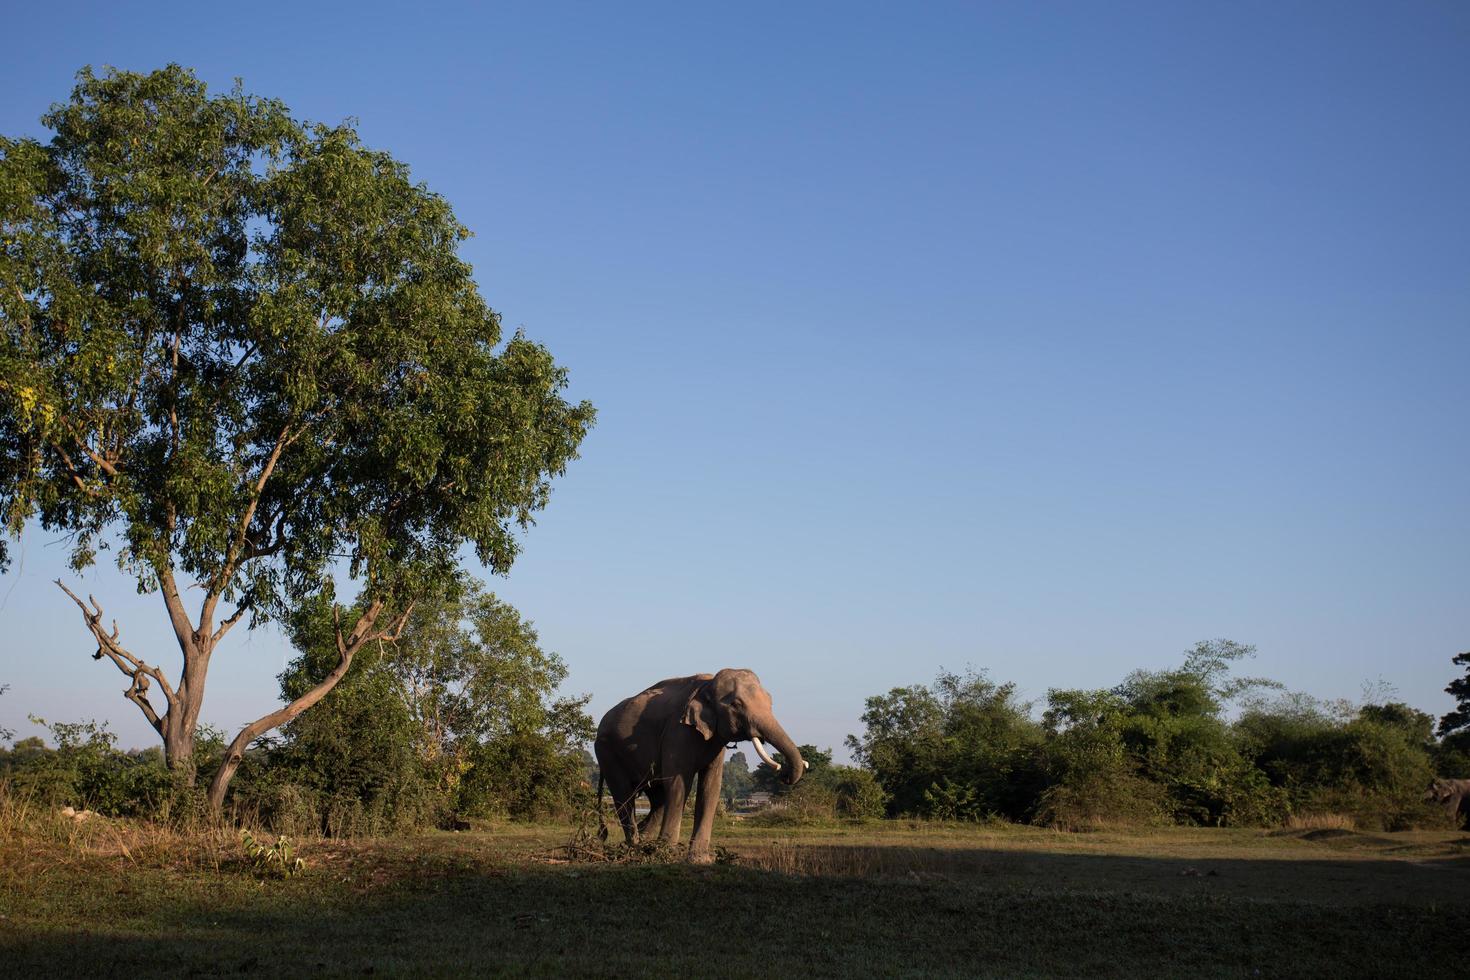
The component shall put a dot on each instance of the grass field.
(890, 899)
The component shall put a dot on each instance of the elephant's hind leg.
(625, 797)
(655, 816)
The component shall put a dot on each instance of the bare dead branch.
(392, 633)
(138, 694)
(131, 666)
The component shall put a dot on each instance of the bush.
(86, 771)
(1099, 802)
(806, 803)
(859, 795)
(456, 718)
(962, 729)
(524, 776)
(1371, 765)
(280, 807)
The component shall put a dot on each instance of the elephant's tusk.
(760, 750)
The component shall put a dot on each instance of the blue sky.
(1048, 339)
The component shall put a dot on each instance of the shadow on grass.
(1329, 880)
(925, 912)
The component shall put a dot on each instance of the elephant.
(659, 740)
(1453, 795)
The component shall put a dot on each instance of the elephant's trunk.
(770, 730)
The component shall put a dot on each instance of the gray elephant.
(1453, 795)
(658, 741)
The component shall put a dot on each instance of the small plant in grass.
(278, 858)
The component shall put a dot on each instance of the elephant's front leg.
(706, 801)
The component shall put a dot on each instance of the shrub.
(1099, 802)
(963, 728)
(859, 795)
(1372, 764)
(280, 807)
(87, 771)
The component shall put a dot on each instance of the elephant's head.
(732, 707)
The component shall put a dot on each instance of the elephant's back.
(656, 701)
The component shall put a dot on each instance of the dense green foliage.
(737, 783)
(238, 347)
(458, 718)
(1158, 748)
(961, 748)
(86, 770)
(1454, 727)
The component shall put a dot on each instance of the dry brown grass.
(1321, 821)
(36, 835)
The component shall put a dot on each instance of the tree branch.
(275, 544)
(237, 545)
(233, 618)
(102, 462)
(131, 666)
(178, 616)
(249, 352)
(347, 648)
(71, 469)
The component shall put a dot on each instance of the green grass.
(892, 899)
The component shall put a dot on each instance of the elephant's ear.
(700, 714)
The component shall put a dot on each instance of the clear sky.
(1044, 338)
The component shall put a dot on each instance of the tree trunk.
(178, 748)
(181, 723)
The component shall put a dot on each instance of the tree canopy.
(243, 350)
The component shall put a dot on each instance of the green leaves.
(248, 345)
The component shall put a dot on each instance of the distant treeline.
(1192, 745)
(458, 722)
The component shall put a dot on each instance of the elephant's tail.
(601, 822)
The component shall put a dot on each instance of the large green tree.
(242, 349)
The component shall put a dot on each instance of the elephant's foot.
(700, 855)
